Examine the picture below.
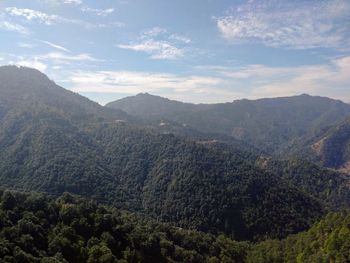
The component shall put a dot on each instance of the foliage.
(37, 228)
(326, 241)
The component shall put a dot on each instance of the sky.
(200, 51)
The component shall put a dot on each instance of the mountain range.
(279, 126)
(251, 170)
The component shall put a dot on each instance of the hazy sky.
(189, 50)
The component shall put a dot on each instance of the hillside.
(327, 241)
(26, 89)
(39, 228)
(265, 123)
(76, 145)
(330, 147)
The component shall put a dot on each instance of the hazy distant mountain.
(54, 140)
(147, 105)
(266, 123)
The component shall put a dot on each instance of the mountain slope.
(331, 147)
(326, 241)
(23, 88)
(266, 123)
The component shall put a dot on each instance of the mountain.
(147, 105)
(270, 124)
(53, 140)
(26, 89)
(330, 147)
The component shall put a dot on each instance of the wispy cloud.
(98, 12)
(61, 58)
(180, 38)
(60, 2)
(25, 45)
(32, 64)
(55, 46)
(156, 48)
(9, 26)
(52, 19)
(153, 32)
(159, 44)
(32, 15)
(290, 24)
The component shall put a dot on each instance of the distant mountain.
(330, 147)
(266, 123)
(53, 140)
(147, 105)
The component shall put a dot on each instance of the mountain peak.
(21, 72)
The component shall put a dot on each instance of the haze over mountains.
(232, 168)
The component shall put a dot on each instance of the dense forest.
(38, 228)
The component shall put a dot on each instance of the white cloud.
(32, 64)
(297, 25)
(8, 26)
(60, 58)
(60, 2)
(75, 2)
(159, 44)
(153, 32)
(98, 12)
(32, 15)
(55, 46)
(157, 49)
(25, 45)
(180, 38)
(49, 19)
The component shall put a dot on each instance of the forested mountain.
(38, 228)
(330, 147)
(55, 141)
(25, 89)
(267, 123)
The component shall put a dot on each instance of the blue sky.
(201, 51)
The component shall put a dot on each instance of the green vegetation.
(37, 228)
(330, 147)
(324, 184)
(326, 241)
